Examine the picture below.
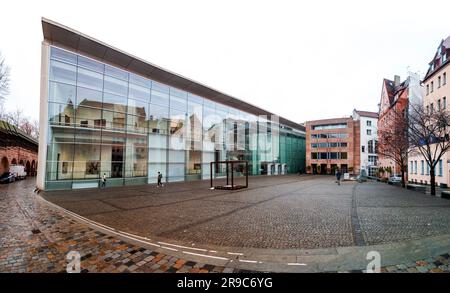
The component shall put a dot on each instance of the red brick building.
(394, 101)
(16, 147)
(333, 143)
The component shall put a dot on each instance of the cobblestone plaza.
(285, 215)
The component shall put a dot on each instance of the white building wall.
(367, 123)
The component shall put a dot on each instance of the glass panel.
(137, 124)
(113, 155)
(63, 72)
(62, 93)
(88, 117)
(90, 79)
(60, 114)
(139, 93)
(90, 64)
(89, 98)
(177, 103)
(62, 55)
(138, 108)
(157, 156)
(160, 98)
(114, 103)
(136, 157)
(162, 88)
(139, 80)
(116, 86)
(177, 122)
(114, 120)
(59, 161)
(87, 154)
(195, 99)
(113, 71)
(158, 119)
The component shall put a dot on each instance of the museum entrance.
(117, 162)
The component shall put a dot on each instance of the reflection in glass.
(63, 72)
(90, 79)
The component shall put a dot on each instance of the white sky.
(301, 60)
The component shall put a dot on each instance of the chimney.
(396, 80)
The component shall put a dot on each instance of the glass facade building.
(102, 119)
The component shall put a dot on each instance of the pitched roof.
(445, 48)
(393, 90)
(367, 114)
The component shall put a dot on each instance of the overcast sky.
(302, 60)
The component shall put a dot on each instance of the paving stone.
(24, 251)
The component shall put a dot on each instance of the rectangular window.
(363, 148)
(432, 86)
(428, 169)
(369, 123)
(415, 167)
(422, 167)
(329, 126)
(431, 108)
(90, 79)
(428, 89)
(369, 132)
(314, 156)
(444, 77)
(344, 156)
(440, 167)
(333, 156)
(411, 168)
(343, 144)
(439, 82)
(63, 72)
(444, 103)
(439, 105)
(58, 54)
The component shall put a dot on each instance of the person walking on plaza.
(103, 181)
(159, 180)
(338, 177)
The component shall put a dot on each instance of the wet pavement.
(276, 212)
(34, 237)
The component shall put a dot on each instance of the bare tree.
(35, 129)
(429, 136)
(4, 78)
(393, 141)
(26, 126)
(15, 117)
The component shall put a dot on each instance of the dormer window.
(444, 57)
(432, 66)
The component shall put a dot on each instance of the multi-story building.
(331, 144)
(437, 91)
(368, 141)
(103, 111)
(395, 99)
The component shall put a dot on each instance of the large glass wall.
(104, 120)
